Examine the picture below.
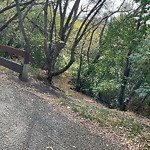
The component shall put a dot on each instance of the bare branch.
(12, 6)
(14, 17)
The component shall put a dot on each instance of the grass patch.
(63, 102)
(74, 109)
(104, 113)
(67, 92)
(127, 124)
(136, 128)
(110, 119)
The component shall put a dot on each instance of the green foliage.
(143, 2)
(37, 50)
(141, 70)
(102, 79)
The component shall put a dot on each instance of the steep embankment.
(30, 119)
(125, 128)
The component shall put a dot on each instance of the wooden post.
(24, 75)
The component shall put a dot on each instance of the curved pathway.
(27, 122)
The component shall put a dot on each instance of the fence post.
(24, 75)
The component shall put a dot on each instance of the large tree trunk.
(52, 61)
(121, 99)
(56, 38)
(126, 72)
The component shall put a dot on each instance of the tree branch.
(14, 17)
(12, 6)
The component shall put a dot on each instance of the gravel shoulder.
(28, 122)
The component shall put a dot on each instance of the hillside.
(129, 130)
(30, 122)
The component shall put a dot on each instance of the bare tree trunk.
(121, 99)
(27, 46)
(126, 72)
(101, 43)
(78, 79)
(45, 28)
(66, 26)
(55, 47)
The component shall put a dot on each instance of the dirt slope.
(28, 122)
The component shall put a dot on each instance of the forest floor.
(131, 131)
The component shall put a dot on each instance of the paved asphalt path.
(27, 122)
